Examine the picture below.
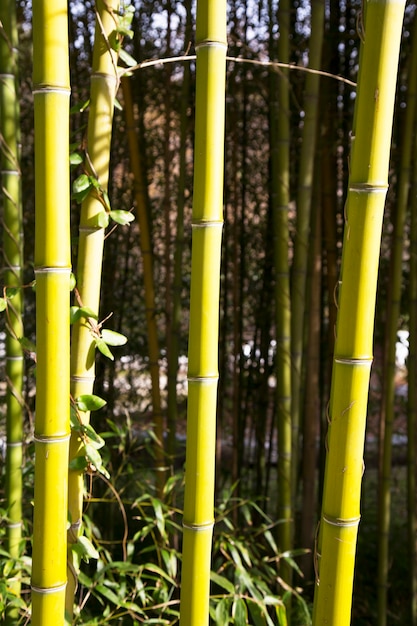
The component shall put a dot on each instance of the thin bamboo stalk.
(301, 242)
(52, 270)
(355, 321)
(104, 84)
(148, 277)
(412, 399)
(13, 262)
(396, 273)
(280, 200)
(204, 311)
(172, 404)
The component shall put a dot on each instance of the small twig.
(272, 64)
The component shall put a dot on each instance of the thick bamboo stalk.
(301, 243)
(104, 84)
(204, 311)
(353, 348)
(280, 200)
(396, 274)
(52, 270)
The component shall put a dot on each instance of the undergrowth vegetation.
(131, 551)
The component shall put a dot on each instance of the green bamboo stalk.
(13, 262)
(280, 200)
(301, 243)
(52, 270)
(204, 311)
(172, 404)
(412, 395)
(148, 277)
(353, 348)
(104, 84)
(393, 315)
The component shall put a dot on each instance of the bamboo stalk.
(204, 311)
(301, 243)
(396, 273)
(280, 200)
(52, 270)
(412, 399)
(172, 404)
(148, 277)
(104, 84)
(355, 321)
(13, 261)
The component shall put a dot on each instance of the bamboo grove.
(208, 312)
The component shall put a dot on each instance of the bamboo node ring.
(207, 43)
(44, 439)
(49, 590)
(340, 522)
(198, 527)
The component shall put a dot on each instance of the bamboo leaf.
(240, 612)
(281, 615)
(94, 438)
(11, 292)
(88, 550)
(109, 594)
(102, 219)
(113, 338)
(78, 464)
(90, 402)
(122, 217)
(223, 582)
(76, 158)
(222, 612)
(127, 58)
(102, 346)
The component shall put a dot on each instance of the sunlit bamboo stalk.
(13, 262)
(104, 84)
(393, 314)
(52, 270)
(353, 348)
(204, 311)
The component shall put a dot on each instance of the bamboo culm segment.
(13, 262)
(104, 83)
(204, 312)
(355, 322)
(52, 271)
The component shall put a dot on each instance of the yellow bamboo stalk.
(104, 84)
(204, 311)
(13, 261)
(355, 322)
(52, 270)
